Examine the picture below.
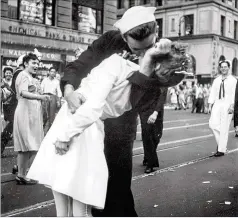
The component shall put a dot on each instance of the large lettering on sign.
(10, 26)
(18, 53)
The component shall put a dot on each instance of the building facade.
(54, 27)
(210, 27)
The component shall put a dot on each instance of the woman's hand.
(160, 48)
(231, 109)
(147, 64)
(209, 108)
(61, 147)
(45, 97)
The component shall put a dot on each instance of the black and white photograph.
(119, 108)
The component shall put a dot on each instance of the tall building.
(210, 27)
(54, 27)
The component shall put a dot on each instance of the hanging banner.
(215, 55)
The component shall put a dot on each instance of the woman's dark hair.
(141, 32)
(7, 68)
(52, 68)
(29, 57)
(225, 61)
(181, 87)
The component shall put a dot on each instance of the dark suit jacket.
(236, 107)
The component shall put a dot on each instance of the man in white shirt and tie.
(51, 86)
(221, 106)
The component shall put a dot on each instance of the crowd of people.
(194, 97)
(84, 154)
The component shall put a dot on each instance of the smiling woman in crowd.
(28, 121)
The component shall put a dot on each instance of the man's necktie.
(222, 89)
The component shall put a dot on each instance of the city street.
(189, 182)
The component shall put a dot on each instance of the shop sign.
(18, 53)
(43, 65)
(46, 32)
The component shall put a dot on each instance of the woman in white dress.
(81, 174)
(173, 97)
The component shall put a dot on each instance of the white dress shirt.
(229, 85)
(51, 86)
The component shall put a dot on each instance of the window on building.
(120, 4)
(223, 20)
(236, 30)
(229, 2)
(189, 24)
(172, 25)
(223, 1)
(160, 24)
(12, 9)
(236, 3)
(159, 2)
(37, 11)
(144, 2)
(235, 67)
(131, 3)
(87, 16)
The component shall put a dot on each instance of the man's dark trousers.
(118, 144)
(151, 135)
(49, 112)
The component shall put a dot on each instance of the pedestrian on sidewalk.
(151, 112)
(221, 106)
(51, 86)
(200, 99)
(206, 94)
(7, 93)
(181, 97)
(194, 96)
(28, 124)
(236, 111)
(173, 98)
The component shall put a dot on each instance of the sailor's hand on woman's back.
(74, 99)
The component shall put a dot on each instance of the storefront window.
(12, 9)
(36, 11)
(87, 19)
(49, 12)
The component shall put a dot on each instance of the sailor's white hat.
(134, 17)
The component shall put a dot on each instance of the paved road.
(189, 182)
